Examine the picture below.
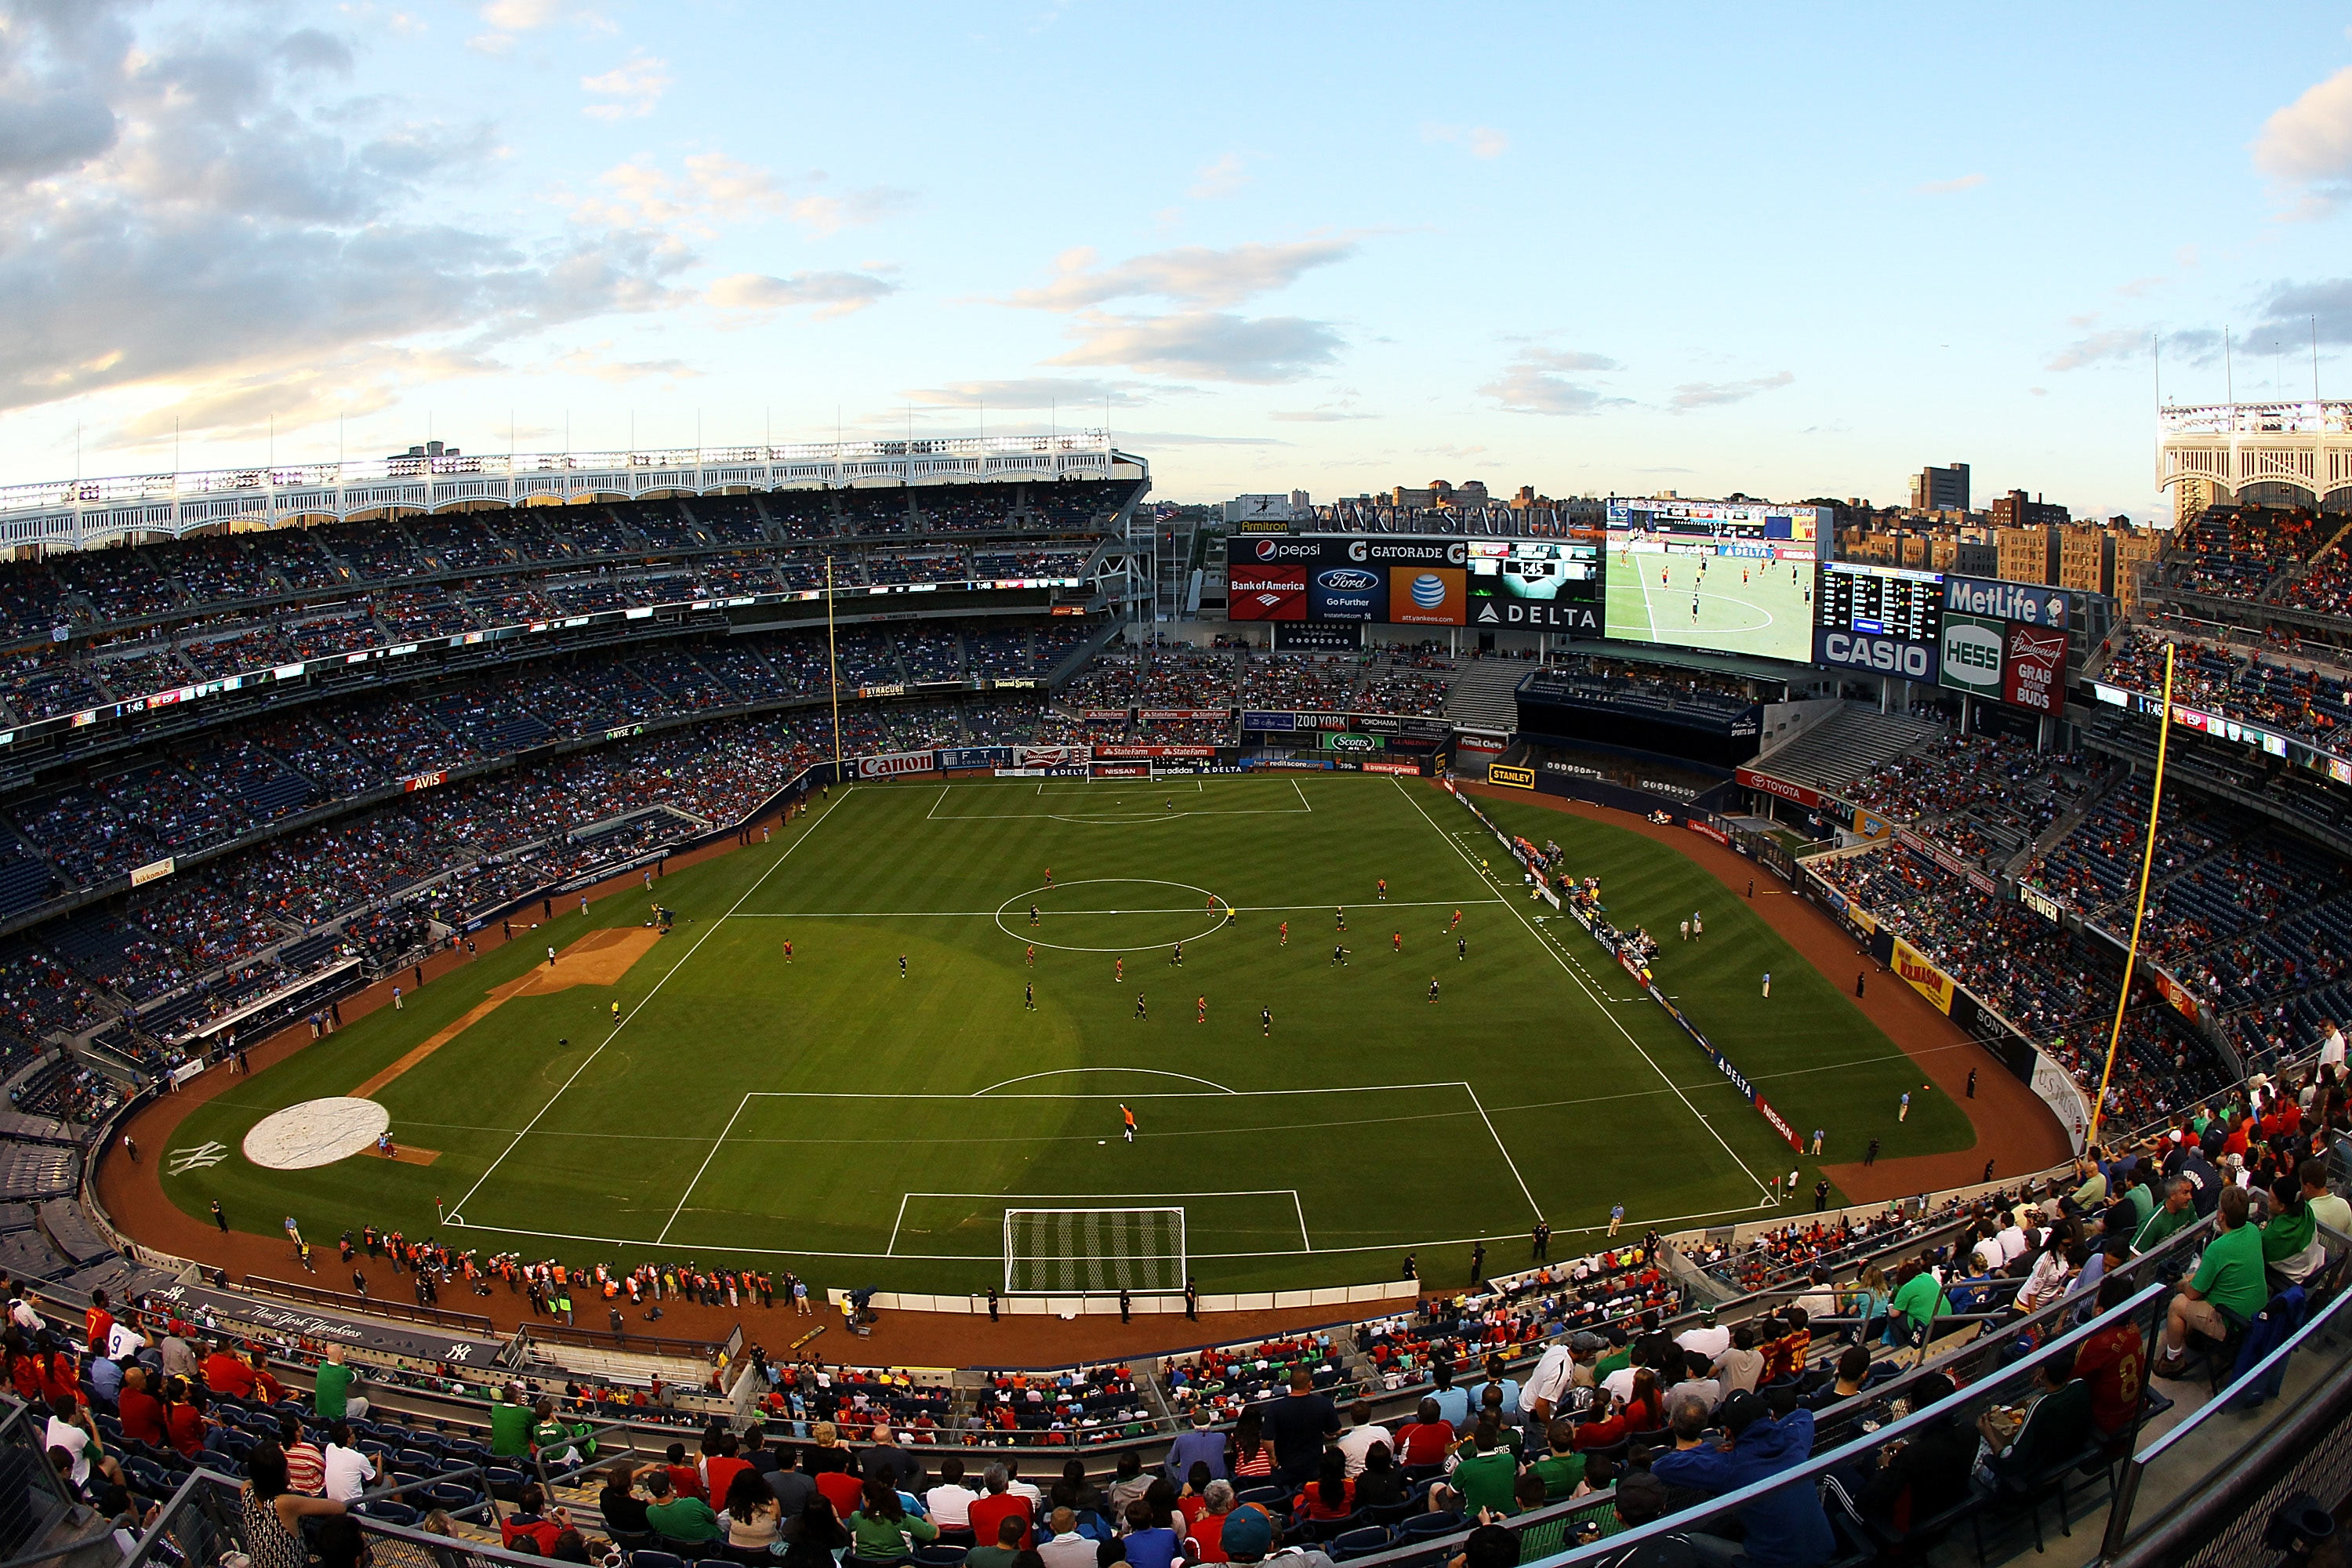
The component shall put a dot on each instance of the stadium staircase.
(1480, 697)
(1831, 754)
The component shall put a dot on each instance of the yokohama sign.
(1766, 783)
(894, 764)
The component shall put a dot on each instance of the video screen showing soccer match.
(1722, 576)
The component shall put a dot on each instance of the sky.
(1787, 251)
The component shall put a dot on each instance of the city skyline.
(1751, 255)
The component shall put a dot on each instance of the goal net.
(1070, 1252)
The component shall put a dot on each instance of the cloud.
(633, 87)
(1032, 392)
(592, 360)
(1221, 178)
(2100, 348)
(1946, 188)
(2139, 288)
(716, 188)
(1532, 383)
(1206, 345)
(1188, 275)
(1482, 141)
(1315, 416)
(1716, 394)
(187, 212)
(2309, 141)
(830, 293)
(2291, 308)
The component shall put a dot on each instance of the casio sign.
(1886, 655)
(1347, 580)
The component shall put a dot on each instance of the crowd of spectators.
(2260, 688)
(1985, 796)
(2236, 552)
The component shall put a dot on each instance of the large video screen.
(1547, 584)
(1725, 576)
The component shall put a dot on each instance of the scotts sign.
(1883, 656)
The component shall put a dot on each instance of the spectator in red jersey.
(1425, 1441)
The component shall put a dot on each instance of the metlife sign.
(2029, 603)
(1894, 656)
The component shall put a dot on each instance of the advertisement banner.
(1122, 771)
(1142, 753)
(1306, 636)
(2182, 999)
(953, 757)
(425, 781)
(1103, 715)
(1514, 778)
(1897, 656)
(1431, 596)
(1710, 831)
(1400, 725)
(1972, 654)
(1341, 740)
(1347, 594)
(1766, 783)
(1253, 720)
(1478, 741)
(1870, 826)
(1410, 769)
(1922, 976)
(1178, 715)
(1938, 856)
(2035, 672)
(1997, 600)
(1052, 756)
(2039, 902)
(1255, 593)
(154, 871)
(896, 764)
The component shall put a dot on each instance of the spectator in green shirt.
(1919, 1298)
(333, 1400)
(1563, 1468)
(1486, 1470)
(2179, 1213)
(880, 1530)
(511, 1425)
(2229, 1279)
(676, 1518)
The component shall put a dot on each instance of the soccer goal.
(1075, 1252)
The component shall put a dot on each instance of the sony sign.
(1883, 656)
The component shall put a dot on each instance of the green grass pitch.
(829, 1116)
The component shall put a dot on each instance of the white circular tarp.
(315, 1133)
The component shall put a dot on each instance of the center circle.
(315, 1133)
(1145, 905)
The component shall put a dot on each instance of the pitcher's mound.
(315, 1133)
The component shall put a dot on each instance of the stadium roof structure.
(2231, 445)
(76, 514)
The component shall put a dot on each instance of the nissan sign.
(1883, 656)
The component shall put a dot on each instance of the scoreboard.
(1881, 600)
(1885, 619)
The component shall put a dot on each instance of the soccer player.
(1264, 1024)
(1033, 914)
(1340, 914)
(1903, 1111)
(1033, 955)
(1460, 947)
(1049, 876)
(1139, 1012)
(1457, 920)
(902, 966)
(1396, 943)
(1384, 890)
(1286, 934)
(788, 953)
(1339, 953)
(1698, 926)
(1616, 1217)
(1202, 1003)
(1119, 972)
(1029, 996)
(1127, 1120)
(616, 1011)
(1768, 985)
(1176, 955)
(1693, 609)
(1433, 989)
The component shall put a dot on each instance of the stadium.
(845, 943)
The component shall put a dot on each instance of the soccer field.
(829, 1115)
(1770, 615)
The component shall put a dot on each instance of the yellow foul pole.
(2140, 911)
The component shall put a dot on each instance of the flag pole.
(2140, 911)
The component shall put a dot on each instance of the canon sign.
(1886, 656)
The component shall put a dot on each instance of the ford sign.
(1347, 580)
